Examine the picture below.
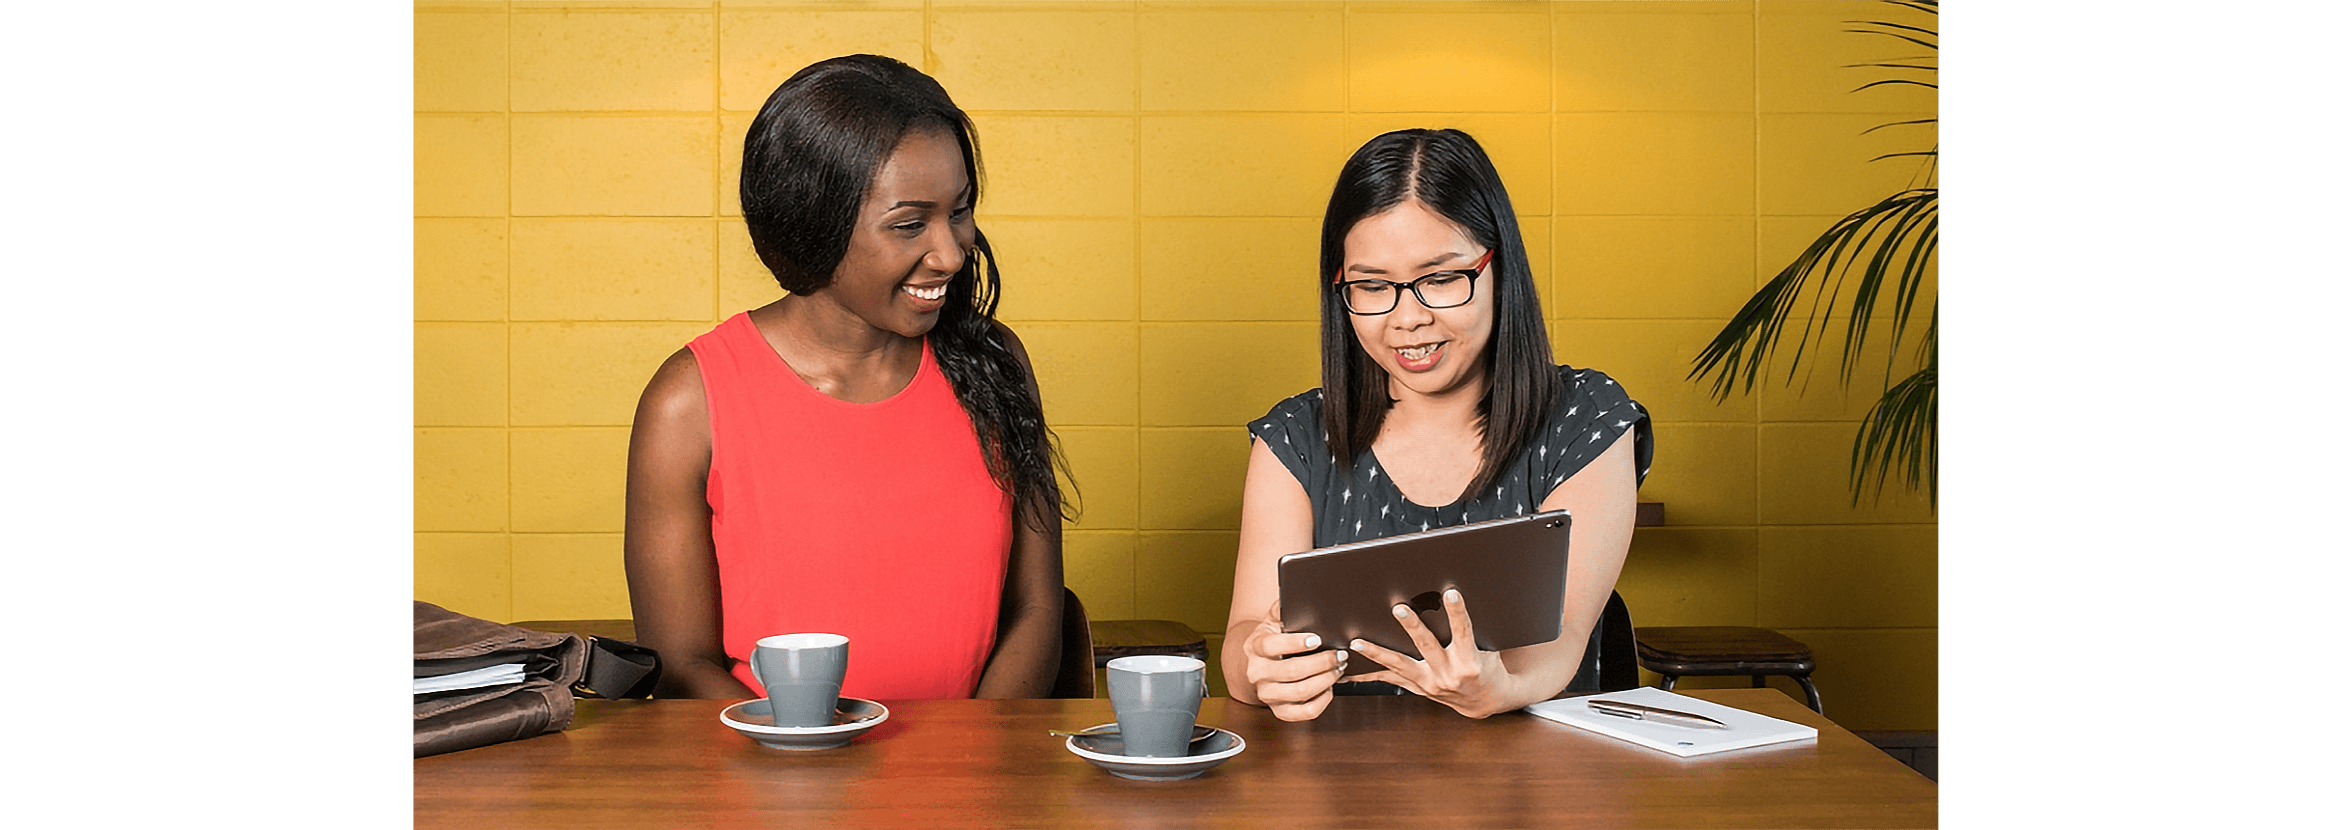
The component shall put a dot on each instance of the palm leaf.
(1909, 231)
(1899, 428)
(1737, 355)
(1874, 257)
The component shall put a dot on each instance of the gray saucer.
(851, 719)
(1108, 752)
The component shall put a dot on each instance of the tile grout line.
(1135, 125)
(508, 432)
(1754, 276)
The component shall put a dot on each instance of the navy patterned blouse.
(1362, 503)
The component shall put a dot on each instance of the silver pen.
(1651, 713)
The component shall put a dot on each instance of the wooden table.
(1368, 762)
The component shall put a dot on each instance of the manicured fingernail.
(1452, 596)
(1358, 644)
(1342, 656)
(1314, 641)
(1402, 612)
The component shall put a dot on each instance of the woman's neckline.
(1381, 466)
(921, 366)
(1383, 478)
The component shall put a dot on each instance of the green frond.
(1898, 81)
(1901, 428)
(1901, 124)
(1894, 35)
(1894, 234)
(1885, 25)
(1890, 81)
(1875, 256)
(1737, 355)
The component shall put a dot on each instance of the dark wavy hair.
(1447, 171)
(808, 161)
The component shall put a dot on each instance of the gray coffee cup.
(802, 673)
(1157, 698)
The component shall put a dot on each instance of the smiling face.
(913, 232)
(1426, 351)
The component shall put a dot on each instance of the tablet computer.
(1511, 572)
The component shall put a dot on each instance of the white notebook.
(498, 675)
(1747, 729)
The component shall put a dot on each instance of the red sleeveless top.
(876, 521)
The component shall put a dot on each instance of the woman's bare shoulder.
(675, 392)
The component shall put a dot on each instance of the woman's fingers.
(1400, 681)
(1275, 645)
(1280, 678)
(1306, 698)
(1423, 640)
(1293, 688)
(1443, 672)
(1394, 660)
(1308, 710)
(1294, 669)
(1465, 642)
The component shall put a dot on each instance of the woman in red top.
(867, 455)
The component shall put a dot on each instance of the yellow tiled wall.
(1155, 174)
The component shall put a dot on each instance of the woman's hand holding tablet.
(1295, 688)
(1456, 674)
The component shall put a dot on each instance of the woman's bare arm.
(672, 566)
(1028, 628)
(1276, 519)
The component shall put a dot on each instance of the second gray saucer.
(1107, 752)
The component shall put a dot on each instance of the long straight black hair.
(1447, 171)
(808, 161)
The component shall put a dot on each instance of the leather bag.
(556, 667)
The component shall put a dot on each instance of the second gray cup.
(1157, 698)
(802, 673)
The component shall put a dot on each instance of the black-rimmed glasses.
(1440, 289)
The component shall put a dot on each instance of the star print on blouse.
(1518, 491)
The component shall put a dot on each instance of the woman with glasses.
(865, 456)
(1440, 406)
